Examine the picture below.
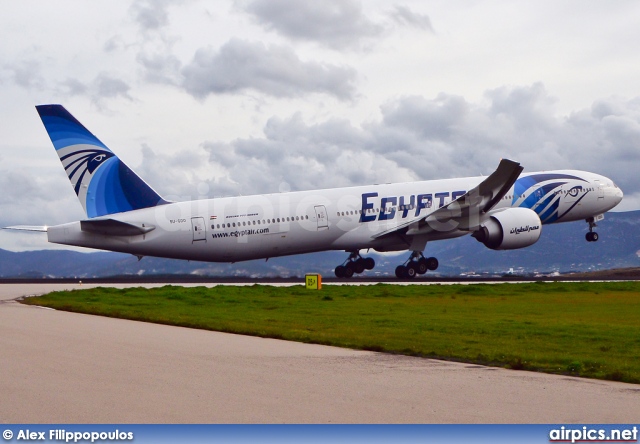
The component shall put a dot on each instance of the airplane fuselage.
(261, 226)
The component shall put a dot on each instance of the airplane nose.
(611, 192)
(619, 195)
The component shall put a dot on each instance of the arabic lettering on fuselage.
(386, 207)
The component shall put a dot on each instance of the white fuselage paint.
(262, 226)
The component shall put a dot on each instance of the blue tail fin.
(103, 183)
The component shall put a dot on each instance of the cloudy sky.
(223, 98)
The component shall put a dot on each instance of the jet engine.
(510, 229)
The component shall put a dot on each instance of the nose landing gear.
(591, 236)
(416, 264)
(355, 264)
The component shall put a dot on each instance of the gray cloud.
(329, 154)
(36, 199)
(274, 70)
(160, 67)
(417, 138)
(150, 14)
(338, 24)
(405, 16)
(155, 47)
(26, 73)
(103, 88)
(116, 43)
(450, 136)
(74, 87)
(421, 138)
(110, 86)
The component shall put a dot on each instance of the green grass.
(582, 329)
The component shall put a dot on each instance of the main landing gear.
(416, 264)
(591, 236)
(355, 264)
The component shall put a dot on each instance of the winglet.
(499, 182)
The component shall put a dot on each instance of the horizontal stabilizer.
(112, 227)
(27, 228)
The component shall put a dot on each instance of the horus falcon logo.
(78, 163)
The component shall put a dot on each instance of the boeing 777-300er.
(505, 210)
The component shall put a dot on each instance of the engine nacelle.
(510, 229)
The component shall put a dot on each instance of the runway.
(60, 367)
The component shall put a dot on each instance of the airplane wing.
(465, 212)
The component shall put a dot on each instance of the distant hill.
(562, 248)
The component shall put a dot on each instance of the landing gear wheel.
(432, 263)
(592, 236)
(369, 263)
(348, 270)
(401, 271)
(355, 264)
(358, 266)
(421, 266)
(412, 270)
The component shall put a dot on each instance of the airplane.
(505, 210)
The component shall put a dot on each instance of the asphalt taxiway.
(60, 367)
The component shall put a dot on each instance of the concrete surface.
(59, 367)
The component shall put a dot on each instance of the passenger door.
(199, 229)
(321, 217)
